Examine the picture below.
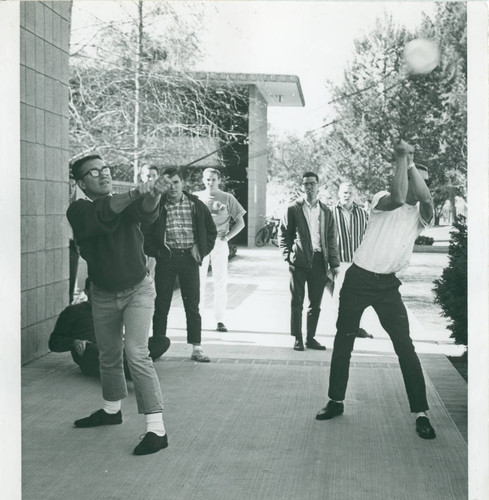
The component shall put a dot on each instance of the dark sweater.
(74, 323)
(112, 244)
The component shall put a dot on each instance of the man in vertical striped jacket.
(351, 222)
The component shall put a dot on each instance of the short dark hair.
(311, 174)
(78, 164)
(154, 168)
(172, 171)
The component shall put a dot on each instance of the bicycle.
(268, 233)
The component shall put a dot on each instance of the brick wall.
(44, 44)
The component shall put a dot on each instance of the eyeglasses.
(95, 172)
(309, 183)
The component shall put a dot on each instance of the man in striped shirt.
(351, 222)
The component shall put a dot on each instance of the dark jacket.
(295, 238)
(205, 231)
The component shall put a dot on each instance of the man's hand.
(335, 271)
(144, 188)
(80, 346)
(403, 148)
(162, 185)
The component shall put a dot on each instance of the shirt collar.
(316, 203)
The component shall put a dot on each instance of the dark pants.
(316, 280)
(361, 289)
(183, 265)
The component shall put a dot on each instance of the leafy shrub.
(424, 240)
(451, 289)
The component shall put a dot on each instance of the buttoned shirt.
(389, 239)
(179, 230)
(311, 213)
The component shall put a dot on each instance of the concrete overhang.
(277, 90)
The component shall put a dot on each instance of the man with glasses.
(106, 229)
(396, 219)
(307, 238)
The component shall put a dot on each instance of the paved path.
(243, 426)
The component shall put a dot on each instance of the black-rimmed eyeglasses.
(95, 172)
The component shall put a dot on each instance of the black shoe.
(151, 443)
(424, 428)
(158, 345)
(363, 334)
(314, 344)
(298, 345)
(221, 327)
(99, 417)
(332, 409)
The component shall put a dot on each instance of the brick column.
(44, 75)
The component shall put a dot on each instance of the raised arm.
(421, 192)
(399, 186)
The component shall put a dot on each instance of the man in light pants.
(224, 207)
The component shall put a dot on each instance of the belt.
(180, 251)
(370, 273)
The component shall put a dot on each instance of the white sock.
(420, 414)
(154, 423)
(196, 347)
(112, 407)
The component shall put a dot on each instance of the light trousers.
(122, 321)
(219, 261)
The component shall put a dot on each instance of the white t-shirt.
(388, 242)
(223, 207)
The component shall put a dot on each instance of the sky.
(312, 40)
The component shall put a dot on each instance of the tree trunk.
(139, 51)
(453, 210)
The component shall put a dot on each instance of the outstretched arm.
(399, 186)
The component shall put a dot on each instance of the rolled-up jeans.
(122, 320)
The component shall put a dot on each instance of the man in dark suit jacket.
(308, 241)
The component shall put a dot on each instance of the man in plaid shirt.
(180, 237)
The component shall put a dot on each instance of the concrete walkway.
(243, 426)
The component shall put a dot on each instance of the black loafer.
(151, 443)
(332, 409)
(221, 327)
(314, 344)
(424, 428)
(158, 345)
(99, 417)
(298, 345)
